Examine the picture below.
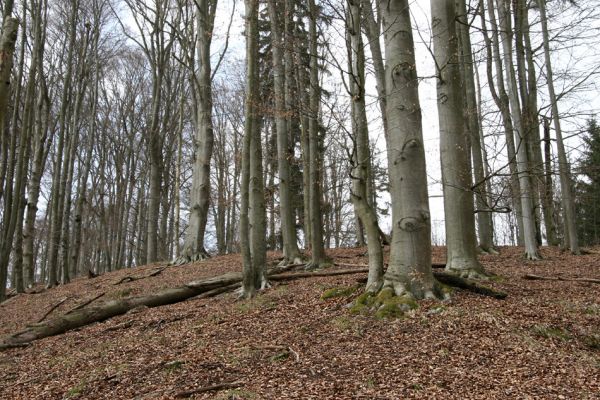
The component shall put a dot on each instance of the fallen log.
(199, 289)
(533, 277)
(108, 309)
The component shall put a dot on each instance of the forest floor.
(542, 342)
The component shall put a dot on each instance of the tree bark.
(563, 163)
(454, 147)
(501, 99)
(471, 112)
(193, 248)
(286, 205)
(529, 231)
(409, 270)
(361, 154)
(7, 49)
(316, 222)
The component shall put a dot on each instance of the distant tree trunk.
(484, 214)
(534, 136)
(361, 155)
(409, 270)
(59, 173)
(548, 195)
(529, 231)
(252, 211)
(563, 163)
(316, 222)
(291, 252)
(501, 99)
(454, 148)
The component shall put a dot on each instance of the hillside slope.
(541, 342)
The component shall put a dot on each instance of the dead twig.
(129, 278)
(85, 303)
(533, 277)
(211, 388)
(54, 307)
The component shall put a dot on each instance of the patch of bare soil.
(542, 342)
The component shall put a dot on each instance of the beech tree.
(252, 205)
(454, 145)
(361, 153)
(281, 54)
(409, 271)
(566, 189)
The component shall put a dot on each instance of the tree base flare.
(470, 273)
(182, 260)
(314, 266)
(288, 261)
(533, 255)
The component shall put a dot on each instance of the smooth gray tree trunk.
(563, 163)
(193, 248)
(529, 232)
(471, 112)
(361, 154)
(316, 219)
(454, 145)
(291, 252)
(409, 270)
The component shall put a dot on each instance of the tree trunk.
(409, 270)
(501, 99)
(373, 31)
(548, 195)
(286, 205)
(563, 163)
(361, 154)
(484, 214)
(7, 49)
(454, 148)
(529, 232)
(250, 234)
(193, 248)
(316, 222)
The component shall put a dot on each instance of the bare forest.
(244, 199)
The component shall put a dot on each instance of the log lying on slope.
(112, 308)
(103, 311)
(533, 277)
(77, 318)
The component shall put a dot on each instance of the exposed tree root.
(559, 278)
(533, 256)
(469, 273)
(296, 261)
(453, 280)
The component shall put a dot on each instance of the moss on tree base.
(384, 305)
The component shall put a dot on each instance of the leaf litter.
(290, 343)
